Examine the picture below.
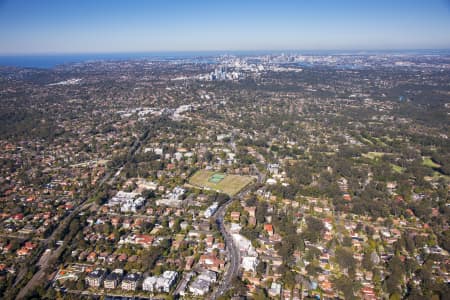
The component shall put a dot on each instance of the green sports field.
(228, 184)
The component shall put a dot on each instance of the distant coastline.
(48, 61)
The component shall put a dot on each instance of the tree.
(261, 268)
(367, 261)
(239, 288)
(313, 269)
(395, 296)
(208, 156)
(346, 286)
(261, 211)
(260, 294)
(347, 241)
(397, 272)
(148, 194)
(289, 279)
(252, 201)
(74, 226)
(81, 286)
(285, 249)
(314, 229)
(344, 257)
(444, 239)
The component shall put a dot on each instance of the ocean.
(48, 61)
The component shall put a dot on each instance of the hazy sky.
(69, 26)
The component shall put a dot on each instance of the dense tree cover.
(344, 258)
(347, 286)
(317, 121)
(314, 229)
(396, 277)
(22, 123)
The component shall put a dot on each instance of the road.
(43, 262)
(261, 176)
(233, 254)
(110, 294)
(20, 237)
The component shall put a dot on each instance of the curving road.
(232, 253)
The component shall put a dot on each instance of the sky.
(109, 26)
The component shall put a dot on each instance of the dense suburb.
(345, 193)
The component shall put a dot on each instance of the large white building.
(208, 275)
(177, 193)
(130, 282)
(273, 168)
(211, 210)
(113, 279)
(162, 283)
(95, 278)
(244, 244)
(173, 198)
(201, 285)
(275, 289)
(249, 263)
(128, 202)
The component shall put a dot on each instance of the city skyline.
(47, 27)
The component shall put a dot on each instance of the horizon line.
(56, 53)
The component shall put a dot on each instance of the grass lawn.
(373, 155)
(437, 175)
(230, 184)
(379, 142)
(427, 161)
(366, 141)
(397, 169)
